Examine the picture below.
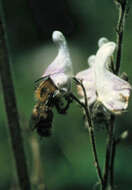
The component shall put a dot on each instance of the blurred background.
(66, 158)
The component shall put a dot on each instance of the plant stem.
(111, 147)
(37, 176)
(109, 151)
(12, 113)
(112, 165)
(114, 146)
(120, 30)
(91, 131)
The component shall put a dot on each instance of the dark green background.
(66, 156)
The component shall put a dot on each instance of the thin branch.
(109, 148)
(86, 103)
(91, 131)
(112, 164)
(12, 113)
(77, 100)
(111, 152)
(37, 176)
(123, 9)
(114, 146)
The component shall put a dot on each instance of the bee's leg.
(63, 90)
(60, 92)
(59, 104)
(32, 122)
(56, 93)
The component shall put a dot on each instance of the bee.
(42, 118)
(42, 115)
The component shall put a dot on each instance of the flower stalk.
(123, 10)
(12, 112)
(91, 131)
(109, 160)
(111, 146)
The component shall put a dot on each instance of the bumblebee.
(42, 115)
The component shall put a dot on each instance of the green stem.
(120, 31)
(112, 165)
(91, 131)
(12, 113)
(109, 151)
(37, 176)
(111, 146)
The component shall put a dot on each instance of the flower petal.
(102, 41)
(112, 91)
(91, 60)
(88, 80)
(60, 70)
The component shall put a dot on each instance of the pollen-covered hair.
(44, 89)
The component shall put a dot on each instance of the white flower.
(112, 91)
(88, 78)
(60, 70)
(102, 41)
(101, 84)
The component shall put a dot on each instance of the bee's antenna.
(41, 78)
